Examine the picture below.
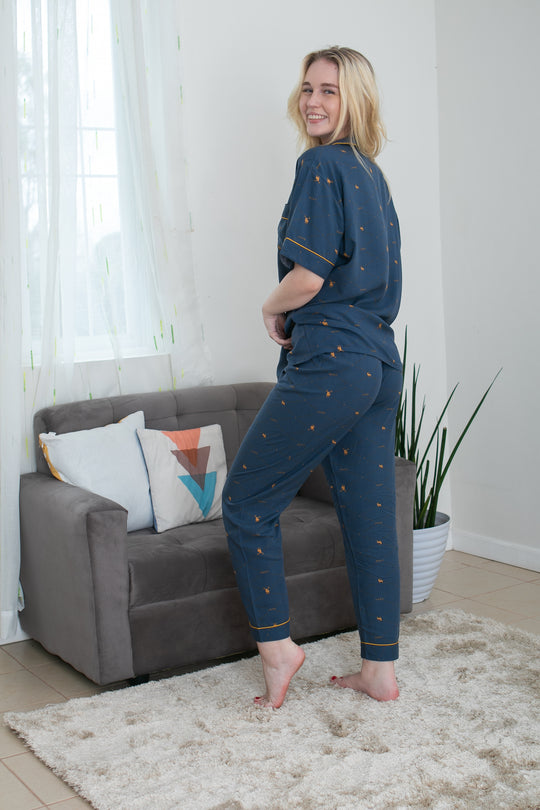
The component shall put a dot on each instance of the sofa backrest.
(232, 406)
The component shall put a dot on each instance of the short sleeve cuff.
(297, 253)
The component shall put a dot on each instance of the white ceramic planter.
(429, 546)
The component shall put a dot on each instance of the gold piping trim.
(270, 626)
(309, 251)
(372, 644)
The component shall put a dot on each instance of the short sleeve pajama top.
(340, 223)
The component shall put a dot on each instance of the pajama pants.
(338, 409)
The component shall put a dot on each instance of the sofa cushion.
(187, 471)
(193, 559)
(106, 460)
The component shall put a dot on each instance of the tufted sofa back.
(232, 406)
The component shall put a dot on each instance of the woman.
(339, 378)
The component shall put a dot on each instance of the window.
(70, 186)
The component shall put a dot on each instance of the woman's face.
(320, 102)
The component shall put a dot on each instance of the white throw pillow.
(105, 460)
(187, 471)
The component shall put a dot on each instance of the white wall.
(241, 60)
(489, 70)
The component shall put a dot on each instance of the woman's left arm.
(297, 288)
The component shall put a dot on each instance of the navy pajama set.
(334, 403)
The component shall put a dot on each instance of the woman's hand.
(297, 288)
(275, 326)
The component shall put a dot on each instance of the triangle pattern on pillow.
(204, 497)
(195, 461)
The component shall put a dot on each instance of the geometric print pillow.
(187, 470)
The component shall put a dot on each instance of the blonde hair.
(360, 106)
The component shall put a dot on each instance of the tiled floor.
(30, 677)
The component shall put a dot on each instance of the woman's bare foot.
(281, 660)
(376, 678)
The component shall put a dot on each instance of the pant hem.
(275, 633)
(382, 652)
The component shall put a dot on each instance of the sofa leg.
(138, 680)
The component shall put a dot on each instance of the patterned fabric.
(340, 223)
(335, 402)
(187, 470)
(339, 409)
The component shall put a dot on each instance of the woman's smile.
(320, 102)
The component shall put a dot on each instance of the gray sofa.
(118, 605)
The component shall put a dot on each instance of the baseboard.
(492, 548)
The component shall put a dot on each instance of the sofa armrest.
(74, 575)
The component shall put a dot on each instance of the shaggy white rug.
(463, 734)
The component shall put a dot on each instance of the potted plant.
(430, 527)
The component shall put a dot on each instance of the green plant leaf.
(409, 422)
(436, 428)
(442, 474)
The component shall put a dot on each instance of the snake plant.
(430, 472)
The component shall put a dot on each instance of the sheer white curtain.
(153, 201)
(11, 378)
(48, 144)
(98, 293)
(108, 248)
